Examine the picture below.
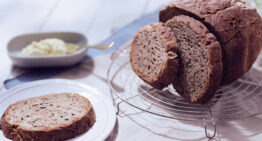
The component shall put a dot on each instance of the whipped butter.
(49, 47)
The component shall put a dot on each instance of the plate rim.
(111, 125)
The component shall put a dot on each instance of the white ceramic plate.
(103, 107)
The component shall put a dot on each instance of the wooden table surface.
(97, 20)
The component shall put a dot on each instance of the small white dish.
(103, 107)
(16, 45)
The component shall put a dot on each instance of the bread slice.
(200, 58)
(53, 117)
(153, 55)
(237, 26)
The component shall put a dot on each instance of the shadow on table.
(114, 133)
(242, 129)
(234, 130)
(77, 71)
(225, 130)
(82, 70)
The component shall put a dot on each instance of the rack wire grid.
(239, 100)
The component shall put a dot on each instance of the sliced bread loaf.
(53, 117)
(237, 26)
(200, 59)
(153, 55)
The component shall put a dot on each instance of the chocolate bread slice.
(153, 55)
(52, 117)
(237, 27)
(200, 59)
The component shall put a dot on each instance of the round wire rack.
(241, 99)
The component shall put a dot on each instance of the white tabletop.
(98, 19)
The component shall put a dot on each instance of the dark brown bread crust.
(214, 58)
(169, 68)
(237, 27)
(62, 133)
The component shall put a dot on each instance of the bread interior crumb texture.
(47, 112)
(150, 55)
(194, 66)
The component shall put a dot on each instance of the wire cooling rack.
(239, 100)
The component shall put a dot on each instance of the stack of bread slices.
(197, 46)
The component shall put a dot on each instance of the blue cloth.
(119, 38)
